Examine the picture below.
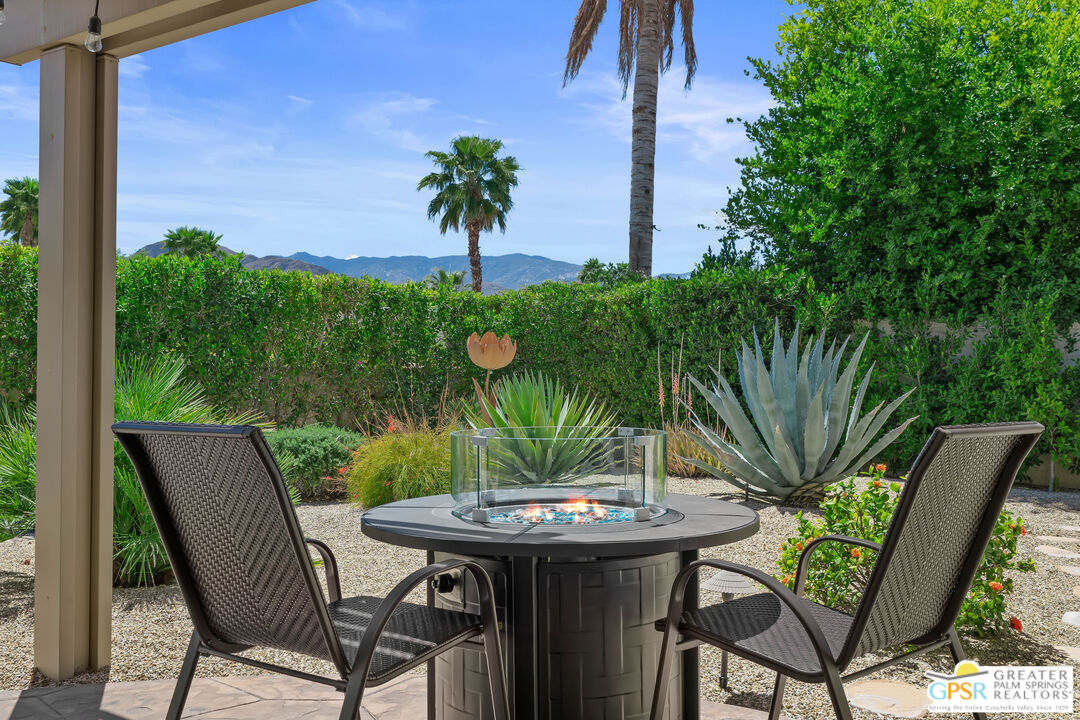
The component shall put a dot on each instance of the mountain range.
(501, 272)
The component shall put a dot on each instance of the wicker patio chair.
(242, 564)
(924, 568)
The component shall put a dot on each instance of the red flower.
(391, 426)
(327, 478)
(880, 467)
(342, 471)
(1023, 530)
(996, 586)
(856, 553)
(1016, 624)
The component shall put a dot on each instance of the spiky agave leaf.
(806, 430)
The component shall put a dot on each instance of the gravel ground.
(151, 626)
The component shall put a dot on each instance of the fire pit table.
(582, 570)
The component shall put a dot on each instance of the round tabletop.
(691, 523)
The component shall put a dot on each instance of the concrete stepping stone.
(1070, 528)
(889, 697)
(1069, 569)
(1071, 618)
(1057, 539)
(1076, 591)
(1073, 653)
(1058, 552)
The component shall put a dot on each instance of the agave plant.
(806, 431)
(551, 432)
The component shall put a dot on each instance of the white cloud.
(384, 119)
(300, 103)
(695, 119)
(18, 102)
(351, 257)
(370, 17)
(132, 67)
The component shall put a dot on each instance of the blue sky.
(306, 130)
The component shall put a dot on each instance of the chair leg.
(496, 672)
(959, 655)
(354, 694)
(663, 671)
(837, 694)
(183, 683)
(777, 697)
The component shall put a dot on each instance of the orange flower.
(877, 483)
(798, 546)
(391, 426)
(880, 467)
(342, 470)
(996, 586)
(489, 352)
(1016, 624)
(1023, 530)
(856, 553)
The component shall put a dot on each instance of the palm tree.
(443, 278)
(19, 211)
(646, 44)
(472, 188)
(192, 242)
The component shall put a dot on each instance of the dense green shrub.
(298, 349)
(314, 458)
(400, 464)
(921, 152)
(838, 572)
(18, 321)
(18, 461)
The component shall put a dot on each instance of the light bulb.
(93, 35)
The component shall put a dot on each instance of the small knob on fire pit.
(443, 583)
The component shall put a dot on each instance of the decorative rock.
(1071, 618)
(1057, 539)
(1058, 552)
(889, 697)
(1069, 569)
(1073, 653)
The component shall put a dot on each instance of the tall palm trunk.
(26, 232)
(643, 148)
(473, 226)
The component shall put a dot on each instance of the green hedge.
(336, 349)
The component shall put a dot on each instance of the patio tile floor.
(243, 698)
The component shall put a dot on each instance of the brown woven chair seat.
(413, 633)
(765, 626)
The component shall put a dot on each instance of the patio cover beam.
(128, 26)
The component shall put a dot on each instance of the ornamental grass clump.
(802, 433)
(838, 573)
(406, 460)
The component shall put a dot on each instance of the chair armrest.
(486, 592)
(786, 596)
(804, 559)
(333, 583)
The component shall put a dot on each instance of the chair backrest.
(945, 518)
(232, 536)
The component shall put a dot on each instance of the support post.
(76, 345)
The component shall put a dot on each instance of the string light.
(93, 34)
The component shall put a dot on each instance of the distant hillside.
(251, 262)
(509, 271)
(501, 272)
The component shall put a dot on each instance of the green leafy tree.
(646, 45)
(19, 211)
(192, 242)
(609, 275)
(921, 151)
(440, 278)
(472, 189)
